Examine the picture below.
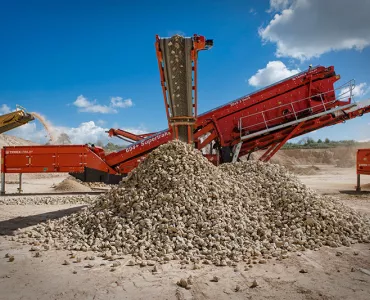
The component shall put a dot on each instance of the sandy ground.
(328, 276)
(34, 185)
(331, 180)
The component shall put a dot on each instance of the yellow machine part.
(14, 119)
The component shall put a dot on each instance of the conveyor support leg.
(2, 192)
(358, 187)
(20, 184)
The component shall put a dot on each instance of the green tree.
(319, 141)
(327, 141)
(310, 141)
(113, 147)
(63, 139)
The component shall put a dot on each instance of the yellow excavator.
(15, 119)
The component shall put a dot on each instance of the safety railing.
(345, 93)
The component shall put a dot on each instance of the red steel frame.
(362, 165)
(266, 141)
(225, 119)
(127, 135)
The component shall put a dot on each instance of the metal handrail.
(259, 90)
(350, 85)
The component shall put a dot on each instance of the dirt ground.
(327, 276)
(32, 184)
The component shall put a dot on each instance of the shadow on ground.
(8, 227)
(354, 192)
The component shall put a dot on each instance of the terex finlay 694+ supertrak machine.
(265, 119)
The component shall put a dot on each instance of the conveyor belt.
(176, 53)
(14, 119)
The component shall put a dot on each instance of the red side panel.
(138, 149)
(363, 161)
(65, 158)
(274, 105)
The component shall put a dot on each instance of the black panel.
(93, 175)
(226, 154)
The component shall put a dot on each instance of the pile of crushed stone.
(177, 205)
(70, 185)
(92, 185)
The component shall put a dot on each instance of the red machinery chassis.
(362, 165)
(75, 159)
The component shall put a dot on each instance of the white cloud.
(252, 11)
(101, 122)
(119, 102)
(277, 5)
(85, 105)
(4, 109)
(273, 72)
(358, 91)
(308, 28)
(86, 132)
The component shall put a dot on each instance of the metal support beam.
(20, 184)
(236, 151)
(269, 149)
(2, 192)
(267, 157)
(358, 187)
(207, 140)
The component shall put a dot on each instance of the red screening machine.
(265, 119)
(362, 165)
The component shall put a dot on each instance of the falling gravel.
(177, 205)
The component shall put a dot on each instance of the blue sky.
(67, 59)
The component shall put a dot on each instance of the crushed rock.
(48, 200)
(69, 185)
(93, 185)
(178, 206)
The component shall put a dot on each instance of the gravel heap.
(92, 185)
(70, 185)
(49, 200)
(177, 205)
